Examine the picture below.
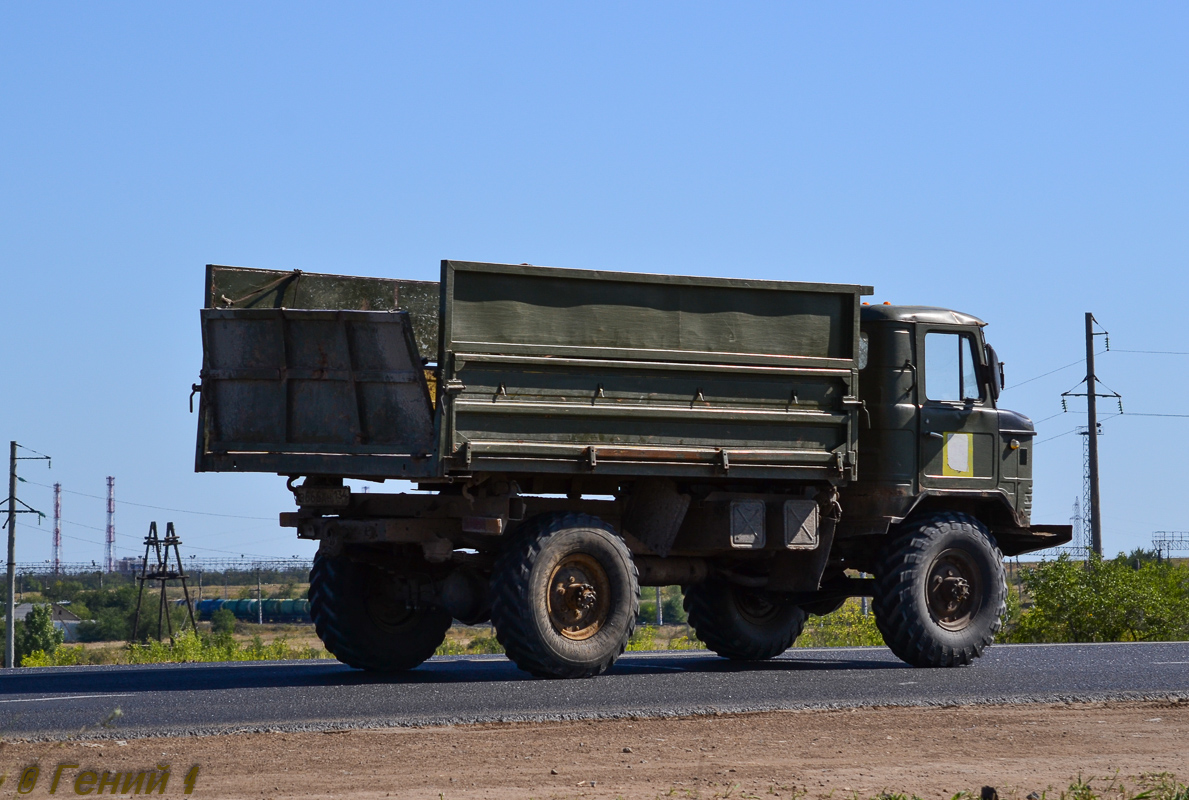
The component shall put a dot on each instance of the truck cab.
(933, 437)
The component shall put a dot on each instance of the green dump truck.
(574, 435)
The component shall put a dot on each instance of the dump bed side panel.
(577, 372)
(647, 317)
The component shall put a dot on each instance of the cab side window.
(951, 373)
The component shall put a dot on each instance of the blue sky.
(1023, 162)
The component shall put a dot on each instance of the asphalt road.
(321, 695)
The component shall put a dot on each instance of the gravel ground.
(928, 751)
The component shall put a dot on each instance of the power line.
(81, 525)
(1156, 352)
(1082, 361)
(155, 508)
(127, 550)
(1050, 372)
(1058, 436)
(90, 541)
(1112, 416)
(191, 547)
(1075, 430)
(1131, 414)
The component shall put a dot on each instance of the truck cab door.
(959, 427)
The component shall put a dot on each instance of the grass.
(187, 647)
(468, 641)
(846, 627)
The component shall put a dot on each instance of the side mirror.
(994, 372)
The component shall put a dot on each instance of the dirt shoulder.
(931, 752)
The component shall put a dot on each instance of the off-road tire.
(521, 610)
(740, 623)
(361, 627)
(906, 611)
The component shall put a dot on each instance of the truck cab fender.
(992, 507)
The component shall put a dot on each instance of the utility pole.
(10, 647)
(110, 550)
(259, 600)
(57, 529)
(1093, 509)
(10, 600)
(1092, 432)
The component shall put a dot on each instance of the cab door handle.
(937, 435)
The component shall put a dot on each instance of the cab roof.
(928, 314)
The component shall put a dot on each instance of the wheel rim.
(755, 607)
(385, 610)
(954, 589)
(579, 596)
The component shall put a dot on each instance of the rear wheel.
(940, 592)
(362, 622)
(564, 596)
(740, 623)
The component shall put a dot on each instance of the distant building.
(65, 620)
(128, 565)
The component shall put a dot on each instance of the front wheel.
(940, 592)
(565, 596)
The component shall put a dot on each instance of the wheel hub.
(755, 606)
(579, 596)
(386, 603)
(953, 589)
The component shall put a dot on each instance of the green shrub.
(674, 611)
(643, 638)
(115, 611)
(485, 645)
(39, 632)
(61, 657)
(1103, 601)
(79, 609)
(846, 627)
(480, 645)
(60, 590)
(223, 621)
(450, 647)
(189, 646)
(36, 632)
(109, 625)
(671, 605)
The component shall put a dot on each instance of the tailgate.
(327, 392)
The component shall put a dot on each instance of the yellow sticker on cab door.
(958, 455)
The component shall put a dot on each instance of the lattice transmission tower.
(1168, 542)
